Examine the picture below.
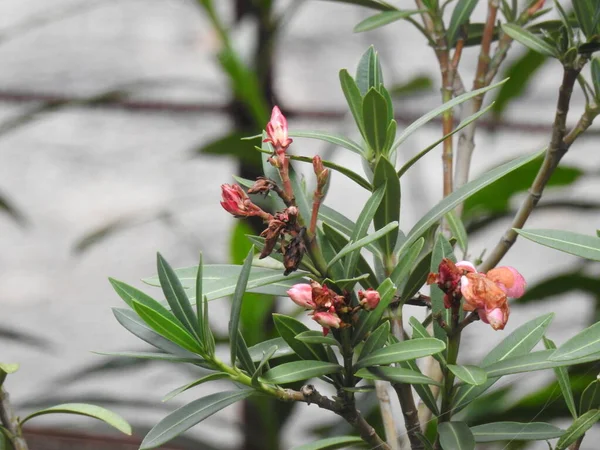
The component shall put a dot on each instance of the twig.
(559, 145)
(577, 443)
(10, 421)
(387, 416)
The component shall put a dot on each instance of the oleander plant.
(340, 329)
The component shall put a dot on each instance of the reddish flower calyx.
(369, 299)
(277, 131)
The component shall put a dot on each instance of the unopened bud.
(369, 299)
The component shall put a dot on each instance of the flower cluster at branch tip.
(329, 307)
(277, 131)
(485, 293)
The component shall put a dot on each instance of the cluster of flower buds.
(485, 293)
(329, 309)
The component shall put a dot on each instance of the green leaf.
(368, 320)
(419, 332)
(9, 368)
(469, 374)
(515, 431)
(389, 209)
(376, 339)
(519, 342)
(220, 280)
(176, 296)
(423, 390)
(461, 15)
(335, 139)
(199, 381)
(330, 443)
(352, 246)
(342, 224)
(395, 375)
(566, 241)
(427, 149)
(373, 4)
(283, 349)
(439, 110)
(203, 327)
(354, 99)
(83, 409)
(458, 230)
(167, 327)
(129, 294)
(316, 337)
(578, 429)
(417, 278)
(562, 376)
(529, 40)
(456, 436)
(265, 359)
(460, 195)
(583, 344)
(189, 415)
(406, 262)
(374, 112)
(156, 357)
(590, 399)
(243, 355)
(402, 351)
(288, 329)
(132, 323)
(587, 13)
(299, 371)
(236, 305)
(360, 231)
(368, 72)
(384, 18)
(441, 249)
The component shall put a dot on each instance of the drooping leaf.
(456, 436)
(83, 409)
(578, 428)
(590, 399)
(395, 375)
(231, 144)
(299, 371)
(330, 443)
(383, 18)
(402, 351)
(473, 375)
(189, 415)
(236, 306)
(566, 241)
(335, 139)
(515, 431)
(529, 40)
(562, 376)
(460, 15)
(586, 343)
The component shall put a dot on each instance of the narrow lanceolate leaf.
(395, 375)
(419, 332)
(354, 98)
(84, 409)
(566, 241)
(288, 329)
(283, 349)
(578, 428)
(562, 376)
(330, 443)
(263, 362)
(383, 18)
(456, 436)
(236, 305)
(342, 224)
(458, 230)
(176, 296)
(376, 339)
(460, 195)
(129, 294)
(583, 344)
(590, 399)
(168, 328)
(202, 329)
(155, 356)
(519, 342)
(243, 355)
(299, 371)
(316, 337)
(469, 374)
(417, 277)
(352, 246)
(368, 320)
(515, 431)
(189, 415)
(529, 40)
(185, 387)
(440, 110)
(461, 14)
(374, 111)
(389, 209)
(335, 139)
(9, 368)
(406, 263)
(368, 72)
(402, 351)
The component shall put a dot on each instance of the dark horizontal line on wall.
(118, 100)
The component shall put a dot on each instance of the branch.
(558, 147)
(387, 416)
(10, 421)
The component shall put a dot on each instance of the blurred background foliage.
(251, 96)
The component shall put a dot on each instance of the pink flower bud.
(301, 295)
(509, 280)
(234, 200)
(327, 319)
(467, 266)
(369, 299)
(277, 131)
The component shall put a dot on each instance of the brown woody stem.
(10, 421)
(558, 147)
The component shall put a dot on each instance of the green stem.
(10, 421)
(451, 357)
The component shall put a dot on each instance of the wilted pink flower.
(301, 295)
(327, 319)
(509, 280)
(369, 299)
(466, 266)
(234, 200)
(277, 131)
(496, 317)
